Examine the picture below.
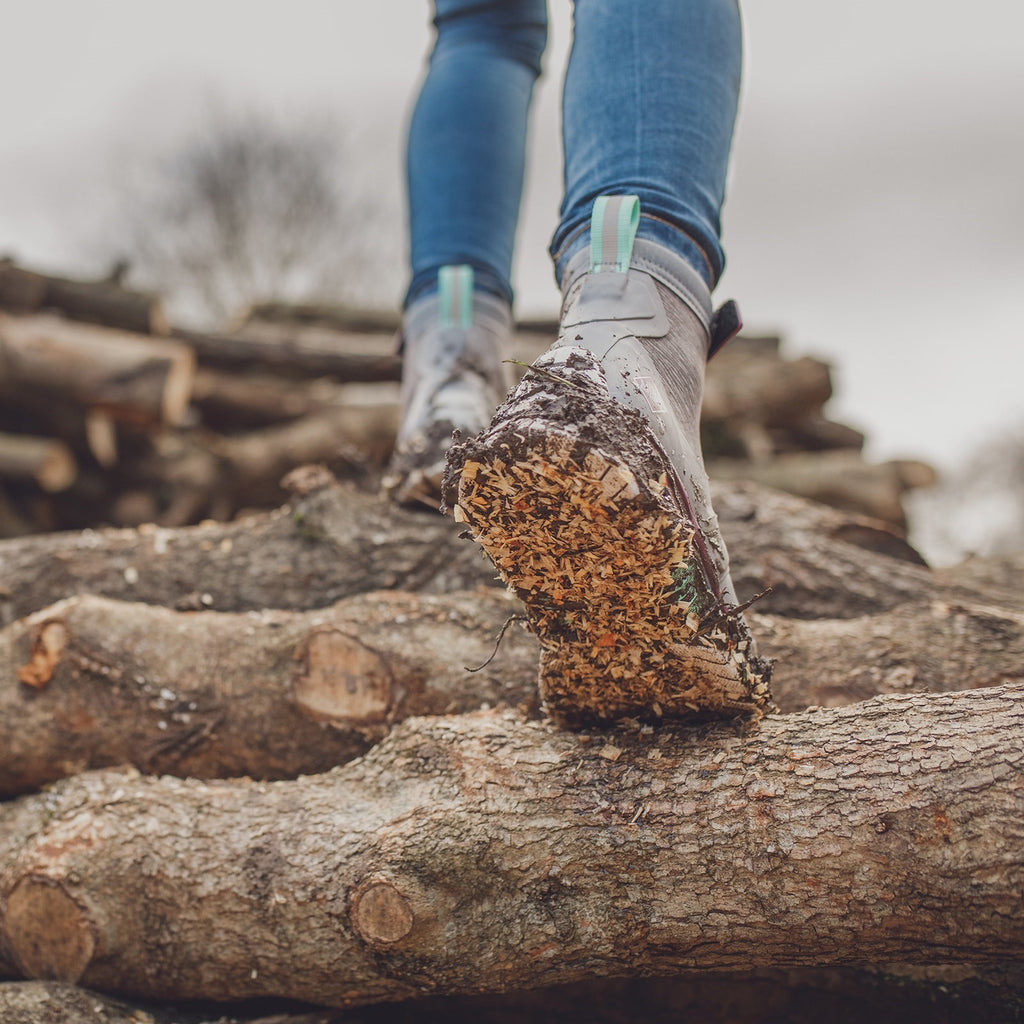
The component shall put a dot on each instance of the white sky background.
(876, 208)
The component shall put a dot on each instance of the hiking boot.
(588, 492)
(452, 379)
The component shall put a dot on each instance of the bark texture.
(91, 683)
(330, 542)
(333, 541)
(483, 853)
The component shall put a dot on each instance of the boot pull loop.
(725, 325)
(455, 295)
(613, 224)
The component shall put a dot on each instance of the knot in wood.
(342, 680)
(380, 913)
(47, 647)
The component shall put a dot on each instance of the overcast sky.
(875, 212)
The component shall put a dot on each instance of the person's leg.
(466, 154)
(649, 104)
(467, 140)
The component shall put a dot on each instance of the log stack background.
(176, 688)
(111, 417)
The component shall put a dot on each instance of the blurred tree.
(251, 208)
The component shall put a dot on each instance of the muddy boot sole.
(572, 498)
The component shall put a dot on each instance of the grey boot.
(453, 378)
(588, 491)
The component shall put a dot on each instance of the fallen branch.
(93, 682)
(483, 853)
(333, 541)
(129, 376)
(101, 302)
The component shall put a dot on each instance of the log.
(94, 682)
(794, 995)
(46, 462)
(1001, 573)
(129, 376)
(842, 479)
(235, 400)
(100, 302)
(815, 433)
(344, 438)
(294, 355)
(933, 647)
(333, 541)
(91, 682)
(107, 303)
(483, 853)
(21, 290)
(336, 316)
(769, 391)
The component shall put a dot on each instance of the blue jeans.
(649, 103)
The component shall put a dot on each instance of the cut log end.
(48, 933)
(47, 462)
(381, 914)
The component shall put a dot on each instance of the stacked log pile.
(110, 417)
(295, 758)
(284, 758)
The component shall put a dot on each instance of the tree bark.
(330, 542)
(334, 541)
(293, 355)
(935, 647)
(483, 853)
(132, 377)
(91, 682)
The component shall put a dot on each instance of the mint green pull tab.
(455, 291)
(613, 226)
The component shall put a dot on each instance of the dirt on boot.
(575, 503)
